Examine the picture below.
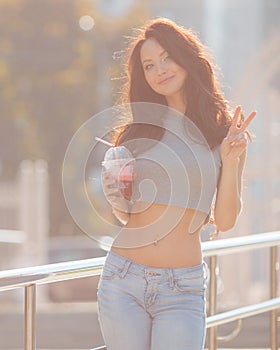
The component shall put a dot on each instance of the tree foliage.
(49, 86)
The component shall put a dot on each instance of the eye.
(166, 58)
(148, 66)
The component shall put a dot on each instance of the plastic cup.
(119, 162)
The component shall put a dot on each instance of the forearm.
(233, 155)
(228, 201)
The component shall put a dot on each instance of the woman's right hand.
(113, 193)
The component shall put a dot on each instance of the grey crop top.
(179, 170)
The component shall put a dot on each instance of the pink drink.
(118, 161)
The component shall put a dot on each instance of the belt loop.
(171, 277)
(125, 269)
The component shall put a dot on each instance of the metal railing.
(213, 249)
(12, 236)
(29, 278)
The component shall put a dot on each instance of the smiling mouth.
(166, 80)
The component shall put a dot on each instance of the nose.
(161, 69)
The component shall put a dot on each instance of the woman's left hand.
(235, 143)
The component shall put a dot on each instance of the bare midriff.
(176, 248)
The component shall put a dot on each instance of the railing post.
(274, 267)
(213, 300)
(29, 317)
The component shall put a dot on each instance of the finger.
(235, 119)
(248, 121)
(241, 136)
(236, 151)
(248, 135)
(109, 181)
(232, 137)
(239, 143)
(113, 194)
(105, 174)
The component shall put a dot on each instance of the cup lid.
(117, 152)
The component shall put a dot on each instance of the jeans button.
(149, 273)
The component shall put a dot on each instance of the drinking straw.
(105, 142)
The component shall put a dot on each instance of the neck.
(176, 102)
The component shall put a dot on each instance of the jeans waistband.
(141, 270)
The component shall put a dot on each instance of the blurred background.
(60, 64)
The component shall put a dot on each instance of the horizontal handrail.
(18, 278)
(240, 244)
(22, 277)
(242, 312)
(12, 236)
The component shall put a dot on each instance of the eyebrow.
(149, 59)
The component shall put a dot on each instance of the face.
(162, 74)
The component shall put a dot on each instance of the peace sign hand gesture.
(235, 143)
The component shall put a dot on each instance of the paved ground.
(75, 326)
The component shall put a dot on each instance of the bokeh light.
(86, 23)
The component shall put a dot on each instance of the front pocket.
(194, 285)
(110, 272)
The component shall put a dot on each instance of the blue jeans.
(147, 308)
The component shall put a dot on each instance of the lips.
(165, 81)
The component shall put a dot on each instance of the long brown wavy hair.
(206, 104)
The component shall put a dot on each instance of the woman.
(151, 294)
